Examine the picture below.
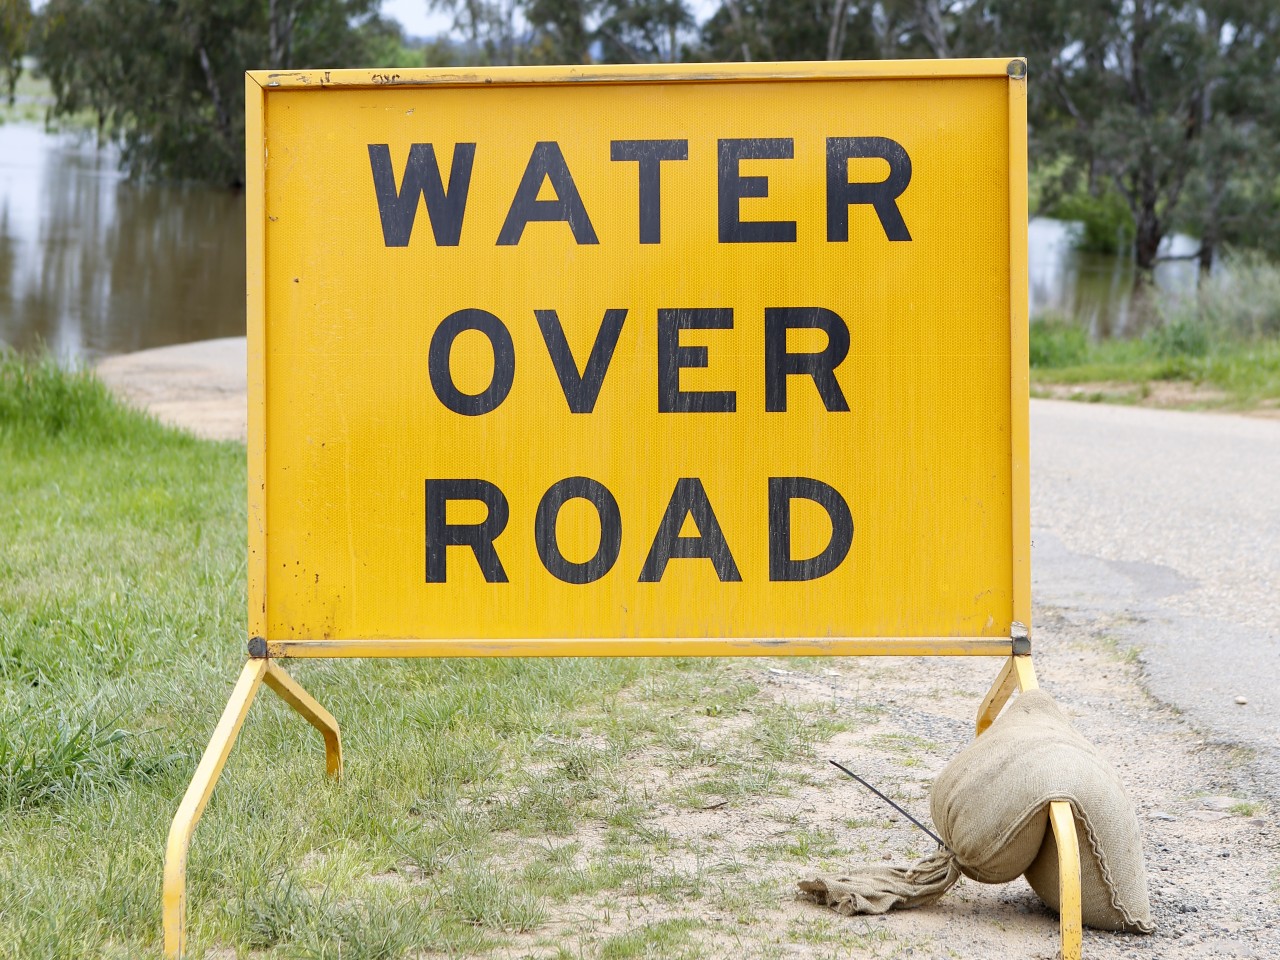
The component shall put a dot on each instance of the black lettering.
(544, 528)
(504, 362)
(546, 163)
(398, 208)
(782, 490)
(841, 194)
(650, 154)
(672, 357)
(478, 536)
(581, 391)
(733, 188)
(689, 499)
(778, 363)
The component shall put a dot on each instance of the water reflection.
(91, 264)
(1095, 289)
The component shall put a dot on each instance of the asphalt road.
(1165, 528)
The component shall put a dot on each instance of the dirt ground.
(1212, 872)
(1159, 394)
(1212, 852)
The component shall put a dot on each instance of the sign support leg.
(1019, 672)
(312, 712)
(254, 674)
(1064, 831)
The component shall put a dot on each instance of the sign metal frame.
(1017, 672)
(259, 87)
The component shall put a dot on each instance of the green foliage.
(1240, 301)
(15, 36)
(1164, 100)
(1056, 341)
(1104, 222)
(166, 78)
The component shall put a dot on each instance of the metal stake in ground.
(843, 768)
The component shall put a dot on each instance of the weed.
(664, 940)
(48, 755)
(487, 898)
(1057, 342)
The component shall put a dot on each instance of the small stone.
(1161, 815)
(1209, 816)
(887, 856)
(1224, 804)
(1242, 700)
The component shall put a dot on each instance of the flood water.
(92, 264)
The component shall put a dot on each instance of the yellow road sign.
(566, 356)
(699, 360)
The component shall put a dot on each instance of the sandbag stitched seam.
(1108, 881)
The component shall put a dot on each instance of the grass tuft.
(47, 755)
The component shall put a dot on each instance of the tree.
(1161, 98)
(573, 31)
(166, 77)
(15, 32)
(643, 31)
(1233, 195)
(488, 27)
(836, 29)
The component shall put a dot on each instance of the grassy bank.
(485, 801)
(1220, 348)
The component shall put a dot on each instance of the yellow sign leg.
(312, 712)
(1064, 831)
(255, 672)
(1018, 672)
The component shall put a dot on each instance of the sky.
(418, 21)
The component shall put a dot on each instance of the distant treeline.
(1147, 116)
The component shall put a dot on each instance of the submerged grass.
(457, 828)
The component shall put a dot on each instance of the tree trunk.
(1208, 248)
(1148, 232)
(835, 36)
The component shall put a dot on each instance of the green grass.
(1245, 371)
(1225, 338)
(470, 784)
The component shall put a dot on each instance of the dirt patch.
(723, 872)
(1160, 394)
